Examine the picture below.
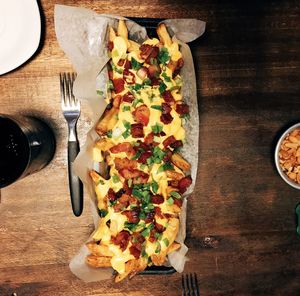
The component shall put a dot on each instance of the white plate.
(20, 32)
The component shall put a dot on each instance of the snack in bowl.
(140, 191)
(289, 155)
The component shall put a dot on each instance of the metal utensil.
(190, 285)
(71, 111)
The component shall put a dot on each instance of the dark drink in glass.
(27, 145)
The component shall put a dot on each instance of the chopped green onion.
(165, 167)
(136, 102)
(135, 64)
(162, 87)
(175, 194)
(170, 201)
(99, 92)
(166, 242)
(163, 56)
(157, 128)
(166, 77)
(126, 108)
(157, 107)
(115, 179)
(102, 213)
(154, 186)
(109, 134)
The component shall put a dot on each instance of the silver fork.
(190, 285)
(71, 111)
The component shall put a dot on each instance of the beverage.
(26, 146)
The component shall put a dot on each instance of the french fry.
(169, 234)
(173, 247)
(95, 177)
(122, 29)
(180, 162)
(132, 267)
(174, 175)
(99, 250)
(108, 121)
(96, 261)
(104, 144)
(163, 35)
(112, 34)
(133, 46)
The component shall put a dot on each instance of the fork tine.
(195, 285)
(62, 89)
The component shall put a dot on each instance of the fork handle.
(76, 187)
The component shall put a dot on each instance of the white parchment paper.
(82, 34)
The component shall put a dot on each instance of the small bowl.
(279, 169)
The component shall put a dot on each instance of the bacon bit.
(141, 114)
(128, 190)
(168, 141)
(167, 157)
(184, 183)
(135, 252)
(122, 163)
(179, 65)
(167, 95)
(159, 228)
(148, 51)
(117, 101)
(157, 199)
(149, 217)
(182, 109)
(162, 134)
(133, 200)
(120, 193)
(142, 145)
(178, 202)
(137, 130)
(137, 176)
(132, 215)
(168, 216)
(127, 65)
(166, 118)
(111, 195)
(177, 144)
(153, 54)
(149, 139)
(144, 156)
(110, 74)
(128, 97)
(155, 81)
(118, 207)
(153, 71)
(136, 237)
(128, 76)
(142, 73)
(158, 212)
(173, 183)
(118, 85)
(121, 239)
(110, 45)
(123, 147)
(166, 108)
(152, 238)
(121, 62)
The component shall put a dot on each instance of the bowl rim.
(276, 156)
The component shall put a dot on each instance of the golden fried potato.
(122, 29)
(108, 121)
(163, 35)
(112, 34)
(132, 267)
(96, 261)
(173, 247)
(174, 175)
(180, 162)
(99, 250)
(104, 144)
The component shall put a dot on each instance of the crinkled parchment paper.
(82, 34)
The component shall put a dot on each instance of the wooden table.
(241, 223)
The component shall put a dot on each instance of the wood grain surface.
(241, 217)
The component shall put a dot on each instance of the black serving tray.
(151, 24)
